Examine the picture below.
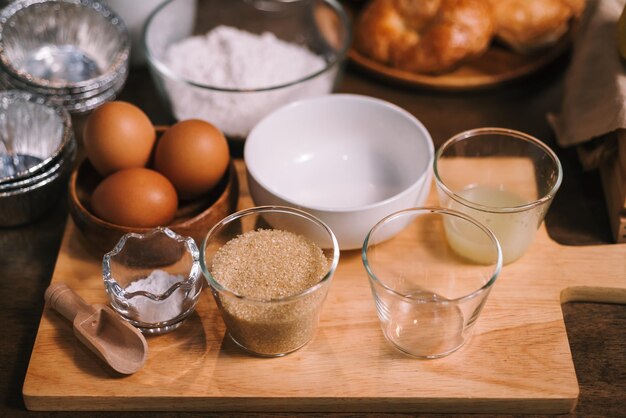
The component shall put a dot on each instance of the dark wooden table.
(597, 332)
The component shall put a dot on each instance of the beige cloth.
(594, 103)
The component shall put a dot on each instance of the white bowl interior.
(338, 152)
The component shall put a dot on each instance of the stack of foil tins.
(75, 53)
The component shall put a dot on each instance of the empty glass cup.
(428, 296)
(504, 179)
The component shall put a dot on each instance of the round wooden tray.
(497, 66)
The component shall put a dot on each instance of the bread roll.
(529, 25)
(424, 36)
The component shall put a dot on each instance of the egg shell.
(135, 197)
(118, 135)
(193, 155)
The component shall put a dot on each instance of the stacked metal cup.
(75, 53)
(37, 152)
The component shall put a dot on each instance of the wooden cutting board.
(518, 361)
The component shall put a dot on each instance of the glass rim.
(440, 211)
(162, 69)
(215, 284)
(511, 133)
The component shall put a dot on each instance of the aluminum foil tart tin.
(84, 104)
(23, 205)
(60, 165)
(79, 45)
(80, 103)
(34, 134)
(60, 95)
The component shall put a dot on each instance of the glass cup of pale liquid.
(428, 297)
(504, 179)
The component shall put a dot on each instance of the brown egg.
(118, 135)
(135, 197)
(193, 155)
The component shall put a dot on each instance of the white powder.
(157, 283)
(227, 57)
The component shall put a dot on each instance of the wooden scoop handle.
(65, 301)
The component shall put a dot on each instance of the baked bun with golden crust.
(424, 36)
(529, 25)
(577, 6)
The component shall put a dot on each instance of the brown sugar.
(265, 266)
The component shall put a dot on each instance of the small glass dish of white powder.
(244, 61)
(153, 280)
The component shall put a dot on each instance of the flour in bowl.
(229, 58)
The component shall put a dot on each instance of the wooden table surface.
(597, 332)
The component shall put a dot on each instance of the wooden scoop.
(117, 342)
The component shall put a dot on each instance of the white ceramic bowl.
(349, 160)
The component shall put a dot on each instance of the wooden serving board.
(518, 361)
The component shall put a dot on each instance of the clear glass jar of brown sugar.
(269, 269)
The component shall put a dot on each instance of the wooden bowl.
(193, 218)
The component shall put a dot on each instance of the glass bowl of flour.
(232, 62)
